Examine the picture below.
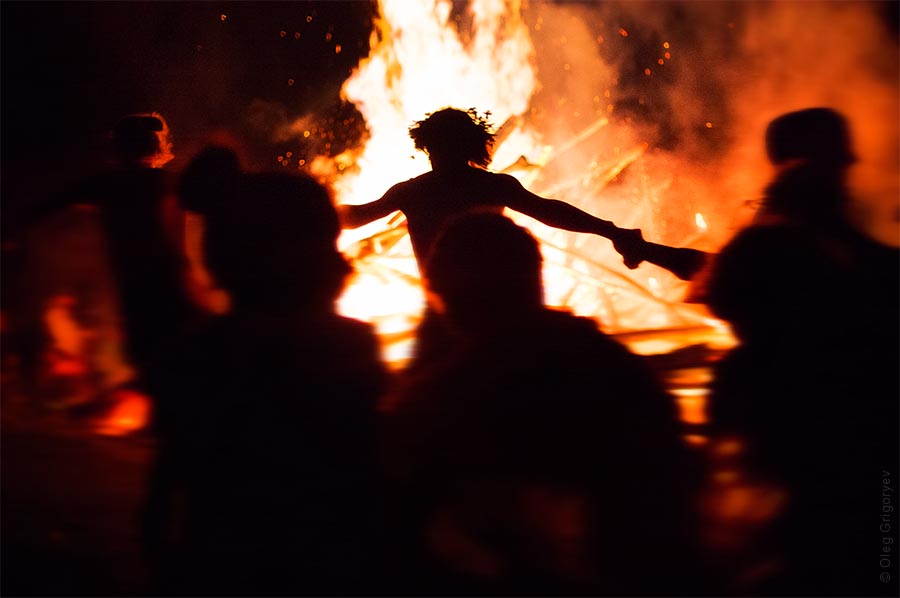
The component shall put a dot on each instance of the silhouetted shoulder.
(357, 343)
(500, 178)
(411, 186)
(500, 184)
(120, 185)
(407, 194)
(771, 274)
(768, 251)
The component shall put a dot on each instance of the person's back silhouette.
(143, 226)
(813, 384)
(524, 441)
(275, 450)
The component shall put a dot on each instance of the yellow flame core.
(420, 63)
(700, 221)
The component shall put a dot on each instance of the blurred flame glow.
(130, 414)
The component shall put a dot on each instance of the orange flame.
(422, 60)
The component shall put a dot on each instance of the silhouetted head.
(485, 270)
(455, 137)
(273, 244)
(142, 139)
(812, 149)
(211, 174)
(816, 135)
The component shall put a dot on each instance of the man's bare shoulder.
(411, 186)
(496, 181)
(492, 183)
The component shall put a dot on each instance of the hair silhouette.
(453, 135)
(819, 135)
(273, 243)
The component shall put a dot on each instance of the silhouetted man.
(458, 144)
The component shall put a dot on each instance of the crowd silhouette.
(522, 451)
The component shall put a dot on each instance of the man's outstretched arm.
(355, 216)
(559, 214)
(684, 262)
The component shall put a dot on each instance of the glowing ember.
(67, 336)
(130, 414)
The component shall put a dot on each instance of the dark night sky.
(71, 69)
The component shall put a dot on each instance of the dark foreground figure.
(141, 225)
(539, 457)
(813, 387)
(274, 485)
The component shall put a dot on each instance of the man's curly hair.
(456, 134)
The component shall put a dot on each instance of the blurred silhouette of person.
(540, 455)
(275, 448)
(813, 385)
(143, 228)
(140, 221)
(208, 180)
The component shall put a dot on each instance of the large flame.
(423, 58)
(420, 63)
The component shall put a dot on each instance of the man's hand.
(630, 244)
